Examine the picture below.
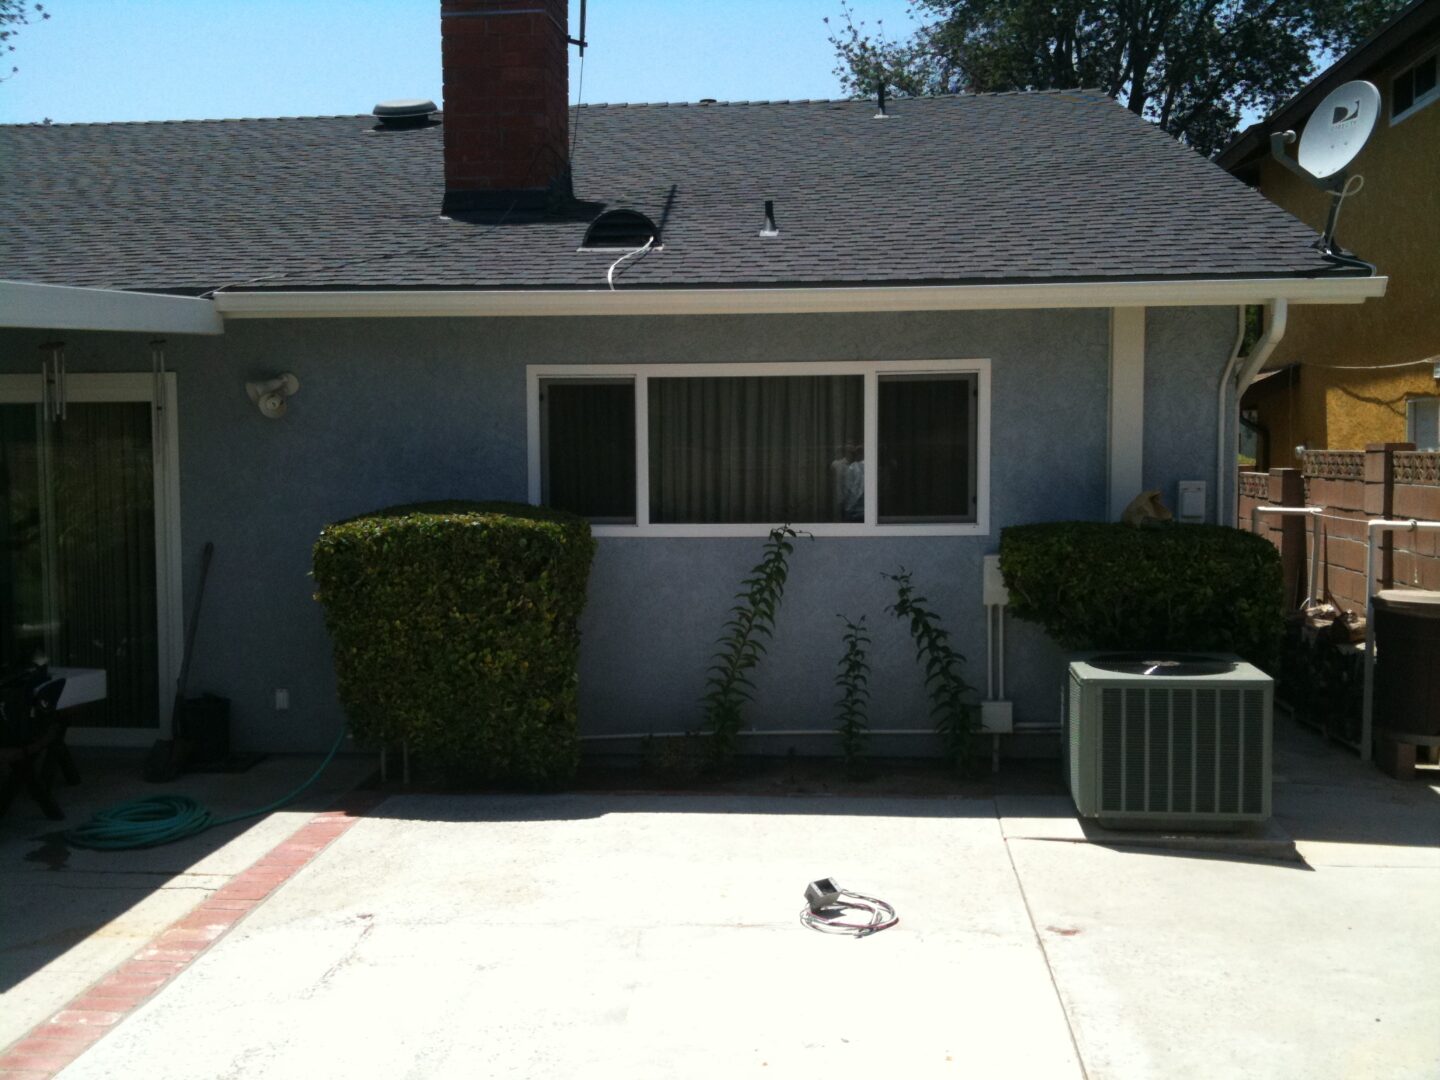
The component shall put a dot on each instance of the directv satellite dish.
(1334, 135)
(1338, 128)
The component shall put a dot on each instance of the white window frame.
(870, 370)
(1420, 102)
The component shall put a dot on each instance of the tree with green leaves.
(1191, 66)
(13, 15)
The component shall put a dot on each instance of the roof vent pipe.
(769, 229)
(403, 113)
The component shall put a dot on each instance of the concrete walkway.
(656, 936)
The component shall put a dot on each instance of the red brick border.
(53, 1044)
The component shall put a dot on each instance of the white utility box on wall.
(1190, 501)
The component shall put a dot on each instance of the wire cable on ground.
(163, 819)
(837, 918)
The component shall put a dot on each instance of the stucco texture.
(1394, 222)
(397, 410)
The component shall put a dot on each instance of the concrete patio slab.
(656, 935)
(636, 936)
(1200, 966)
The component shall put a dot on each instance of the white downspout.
(1225, 461)
(1276, 313)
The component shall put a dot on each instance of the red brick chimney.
(506, 103)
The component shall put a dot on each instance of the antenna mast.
(580, 41)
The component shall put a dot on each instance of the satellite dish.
(1334, 135)
(1338, 128)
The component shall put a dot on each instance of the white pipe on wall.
(1367, 716)
(1277, 313)
(1314, 513)
(772, 734)
(1223, 461)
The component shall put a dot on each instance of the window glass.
(1403, 95)
(1422, 423)
(588, 447)
(1413, 87)
(1425, 76)
(762, 449)
(927, 448)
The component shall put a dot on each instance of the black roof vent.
(404, 113)
(627, 229)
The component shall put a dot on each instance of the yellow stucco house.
(1343, 377)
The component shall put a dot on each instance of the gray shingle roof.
(997, 188)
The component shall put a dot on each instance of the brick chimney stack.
(506, 112)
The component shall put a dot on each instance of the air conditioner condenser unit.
(1170, 741)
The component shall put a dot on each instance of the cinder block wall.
(1354, 487)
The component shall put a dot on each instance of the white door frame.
(82, 387)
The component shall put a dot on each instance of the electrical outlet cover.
(997, 717)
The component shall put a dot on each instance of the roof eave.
(414, 303)
(25, 304)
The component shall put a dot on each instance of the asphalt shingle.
(995, 188)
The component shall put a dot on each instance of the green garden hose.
(162, 819)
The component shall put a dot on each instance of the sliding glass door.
(88, 509)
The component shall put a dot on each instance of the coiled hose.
(163, 819)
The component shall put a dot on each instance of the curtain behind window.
(105, 533)
(589, 448)
(759, 449)
(926, 454)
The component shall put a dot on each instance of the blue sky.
(189, 59)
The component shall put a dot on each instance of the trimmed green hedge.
(455, 629)
(1114, 586)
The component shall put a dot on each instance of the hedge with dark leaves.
(454, 627)
(1173, 587)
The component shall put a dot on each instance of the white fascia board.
(551, 302)
(66, 307)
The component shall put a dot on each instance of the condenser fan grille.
(1182, 751)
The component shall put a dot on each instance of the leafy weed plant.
(852, 708)
(955, 714)
(729, 686)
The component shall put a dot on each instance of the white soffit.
(518, 302)
(65, 307)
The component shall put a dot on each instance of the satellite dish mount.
(1333, 137)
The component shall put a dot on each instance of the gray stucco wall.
(394, 410)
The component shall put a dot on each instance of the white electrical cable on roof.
(610, 274)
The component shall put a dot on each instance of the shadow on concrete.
(55, 897)
(575, 806)
(1322, 794)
